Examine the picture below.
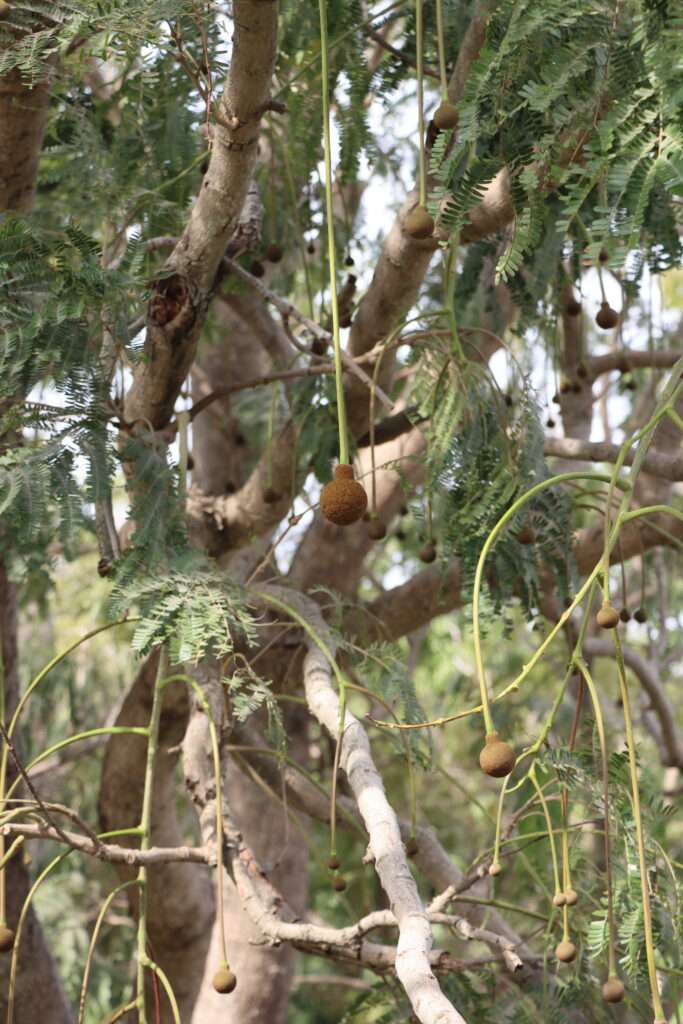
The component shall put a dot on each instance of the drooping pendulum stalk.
(445, 115)
(640, 838)
(419, 223)
(613, 989)
(343, 501)
(269, 494)
(559, 899)
(606, 317)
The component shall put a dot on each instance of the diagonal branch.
(413, 967)
(179, 301)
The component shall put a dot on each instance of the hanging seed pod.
(333, 863)
(497, 758)
(565, 951)
(573, 308)
(349, 261)
(607, 617)
(418, 223)
(256, 268)
(571, 897)
(613, 990)
(5, 9)
(527, 535)
(550, 423)
(559, 899)
(318, 346)
(640, 615)
(343, 501)
(495, 869)
(428, 553)
(376, 529)
(310, 249)
(273, 254)
(607, 318)
(6, 939)
(445, 116)
(339, 883)
(625, 615)
(224, 981)
(565, 385)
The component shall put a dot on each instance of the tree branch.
(179, 300)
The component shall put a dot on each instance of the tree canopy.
(341, 400)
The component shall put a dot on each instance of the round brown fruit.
(497, 758)
(418, 223)
(613, 990)
(273, 254)
(640, 615)
(550, 423)
(339, 883)
(565, 951)
(412, 846)
(318, 346)
(495, 869)
(270, 496)
(428, 553)
(607, 318)
(376, 529)
(345, 320)
(576, 387)
(349, 261)
(5, 9)
(343, 501)
(333, 863)
(607, 617)
(556, 398)
(573, 307)
(6, 938)
(224, 981)
(559, 899)
(445, 117)
(256, 268)
(310, 249)
(565, 385)
(571, 897)
(625, 615)
(527, 535)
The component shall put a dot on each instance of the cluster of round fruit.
(273, 254)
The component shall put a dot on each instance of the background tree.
(242, 244)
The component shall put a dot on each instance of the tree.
(255, 716)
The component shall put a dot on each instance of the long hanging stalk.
(640, 838)
(558, 899)
(331, 249)
(419, 63)
(441, 46)
(143, 960)
(600, 726)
